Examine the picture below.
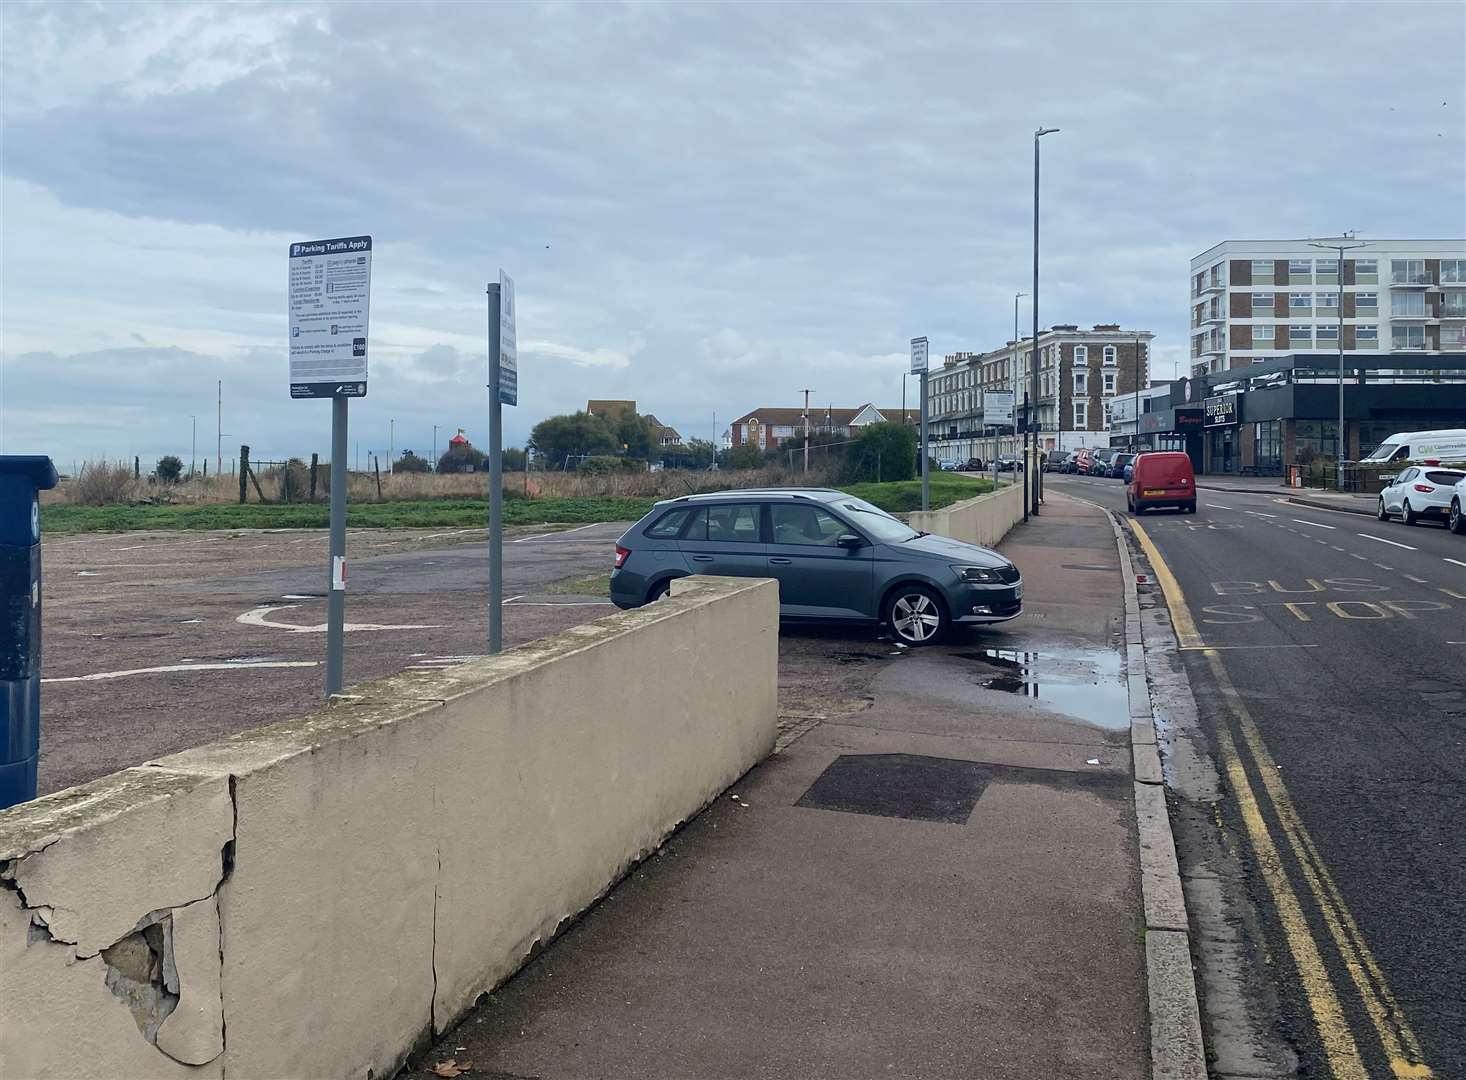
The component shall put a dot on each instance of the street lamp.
(1340, 245)
(1033, 367)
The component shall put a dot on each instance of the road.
(1326, 653)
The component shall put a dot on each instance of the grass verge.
(582, 585)
(903, 496)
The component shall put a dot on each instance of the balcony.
(1454, 307)
(1418, 279)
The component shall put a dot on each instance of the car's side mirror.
(851, 541)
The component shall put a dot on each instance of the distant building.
(666, 436)
(1258, 300)
(766, 428)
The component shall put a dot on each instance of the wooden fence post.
(315, 460)
(377, 472)
(243, 474)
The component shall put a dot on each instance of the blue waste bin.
(21, 477)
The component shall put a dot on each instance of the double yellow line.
(1397, 1040)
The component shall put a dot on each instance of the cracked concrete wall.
(984, 520)
(312, 898)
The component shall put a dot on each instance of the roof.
(818, 494)
(609, 407)
(893, 415)
(817, 415)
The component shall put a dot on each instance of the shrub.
(411, 463)
(100, 483)
(882, 452)
(295, 481)
(168, 469)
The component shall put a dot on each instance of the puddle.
(854, 657)
(1086, 684)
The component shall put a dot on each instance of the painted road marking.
(1218, 506)
(101, 675)
(1394, 1033)
(560, 533)
(1256, 513)
(1417, 580)
(1181, 620)
(1315, 524)
(260, 617)
(1458, 562)
(1382, 540)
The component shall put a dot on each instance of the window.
(1366, 337)
(1319, 436)
(1263, 337)
(1268, 443)
(1366, 303)
(1300, 303)
(1109, 416)
(1109, 354)
(1081, 415)
(1407, 337)
(1262, 271)
(1408, 272)
(1326, 335)
(1081, 354)
(1262, 302)
(796, 524)
(1328, 300)
(1109, 382)
(1366, 272)
(1300, 337)
(1408, 304)
(1216, 274)
(1453, 305)
(725, 524)
(669, 524)
(1300, 271)
(1453, 270)
(1326, 271)
(1081, 382)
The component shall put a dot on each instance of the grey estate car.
(836, 558)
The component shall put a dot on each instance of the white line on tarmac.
(1417, 580)
(1315, 524)
(181, 543)
(1458, 562)
(1258, 513)
(1382, 566)
(101, 675)
(572, 603)
(562, 532)
(1392, 543)
(258, 617)
(1216, 506)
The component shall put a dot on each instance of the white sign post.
(330, 288)
(918, 367)
(503, 390)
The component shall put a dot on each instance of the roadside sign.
(1221, 410)
(918, 355)
(997, 407)
(508, 343)
(330, 293)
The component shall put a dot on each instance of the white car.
(1420, 491)
(1456, 522)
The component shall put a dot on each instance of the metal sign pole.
(496, 494)
(925, 487)
(336, 585)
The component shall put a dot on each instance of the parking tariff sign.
(330, 294)
(508, 343)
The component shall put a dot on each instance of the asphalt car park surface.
(1327, 658)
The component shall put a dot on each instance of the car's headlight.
(978, 575)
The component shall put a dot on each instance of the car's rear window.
(668, 525)
(736, 524)
(1444, 476)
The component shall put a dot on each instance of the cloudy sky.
(705, 207)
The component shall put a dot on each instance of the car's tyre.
(1380, 511)
(659, 590)
(916, 615)
(1457, 521)
(1190, 508)
(1408, 516)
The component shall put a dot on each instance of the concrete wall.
(315, 897)
(984, 520)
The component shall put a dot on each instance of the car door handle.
(781, 562)
(702, 558)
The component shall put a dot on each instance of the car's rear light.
(621, 554)
(1425, 488)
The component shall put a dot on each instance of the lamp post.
(1033, 368)
(1016, 298)
(1340, 245)
(1135, 437)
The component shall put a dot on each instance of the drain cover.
(899, 785)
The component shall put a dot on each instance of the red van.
(1162, 478)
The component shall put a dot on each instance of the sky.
(705, 207)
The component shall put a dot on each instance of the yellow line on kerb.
(1396, 1038)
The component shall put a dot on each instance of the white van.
(1448, 444)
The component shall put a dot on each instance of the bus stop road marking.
(100, 676)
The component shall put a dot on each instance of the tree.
(410, 462)
(514, 459)
(559, 437)
(693, 454)
(463, 458)
(746, 456)
(882, 452)
(169, 469)
(638, 439)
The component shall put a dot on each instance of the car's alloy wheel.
(916, 617)
(659, 590)
(1457, 523)
(1407, 515)
(1381, 512)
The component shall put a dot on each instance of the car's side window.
(668, 525)
(726, 524)
(797, 524)
(1406, 476)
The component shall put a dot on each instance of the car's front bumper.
(986, 603)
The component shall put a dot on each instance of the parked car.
(1118, 463)
(1007, 464)
(836, 558)
(1421, 491)
(1070, 461)
(1456, 521)
(974, 464)
(1162, 478)
(1129, 473)
(1100, 466)
(1445, 444)
(947, 466)
(1053, 460)
(1083, 461)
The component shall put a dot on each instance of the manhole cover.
(899, 785)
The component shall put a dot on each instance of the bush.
(101, 483)
(410, 462)
(168, 469)
(295, 481)
(882, 452)
(602, 464)
(514, 459)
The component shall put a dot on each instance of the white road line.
(1315, 524)
(511, 600)
(1204, 648)
(258, 617)
(1356, 555)
(1392, 543)
(454, 532)
(1458, 562)
(1417, 580)
(1256, 513)
(101, 675)
(560, 533)
(571, 603)
(1382, 566)
(1217, 506)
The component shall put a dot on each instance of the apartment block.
(1257, 300)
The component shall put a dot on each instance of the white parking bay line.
(101, 675)
(1217, 506)
(1417, 580)
(1458, 562)
(1392, 543)
(1315, 524)
(562, 532)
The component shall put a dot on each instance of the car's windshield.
(1383, 452)
(874, 521)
